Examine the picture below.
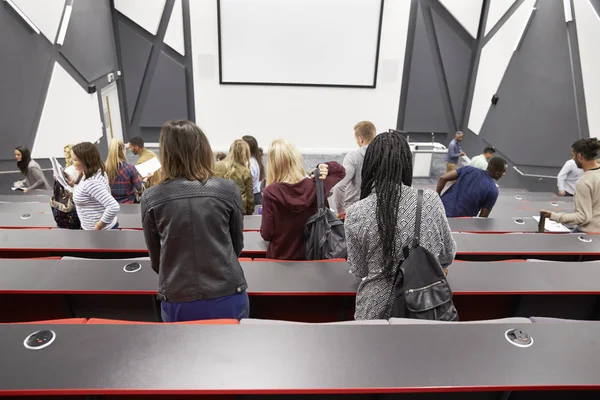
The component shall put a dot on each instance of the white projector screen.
(299, 42)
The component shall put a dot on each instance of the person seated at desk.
(568, 176)
(290, 199)
(236, 168)
(586, 213)
(193, 227)
(382, 223)
(123, 178)
(96, 208)
(481, 161)
(34, 176)
(474, 192)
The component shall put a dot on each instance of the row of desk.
(114, 244)
(304, 291)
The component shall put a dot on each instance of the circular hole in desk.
(585, 238)
(519, 221)
(518, 197)
(26, 216)
(132, 267)
(39, 340)
(522, 345)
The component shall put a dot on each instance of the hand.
(562, 193)
(99, 226)
(323, 171)
(545, 213)
(445, 271)
(462, 154)
(25, 190)
(341, 216)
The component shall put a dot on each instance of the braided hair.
(387, 165)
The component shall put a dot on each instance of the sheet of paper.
(552, 226)
(59, 174)
(149, 167)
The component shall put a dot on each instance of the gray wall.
(156, 84)
(26, 63)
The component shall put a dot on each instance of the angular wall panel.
(145, 13)
(70, 115)
(23, 81)
(91, 23)
(596, 5)
(466, 12)
(135, 52)
(174, 34)
(45, 14)
(169, 77)
(588, 35)
(495, 57)
(424, 105)
(534, 122)
(456, 58)
(496, 11)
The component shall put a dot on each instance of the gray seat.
(408, 321)
(255, 321)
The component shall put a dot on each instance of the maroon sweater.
(285, 210)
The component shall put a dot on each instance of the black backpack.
(324, 235)
(63, 208)
(420, 288)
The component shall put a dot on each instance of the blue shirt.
(454, 150)
(473, 190)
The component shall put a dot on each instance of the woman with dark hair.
(586, 213)
(383, 222)
(96, 208)
(193, 225)
(34, 176)
(256, 167)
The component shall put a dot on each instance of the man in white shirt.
(568, 176)
(481, 161)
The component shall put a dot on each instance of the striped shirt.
(94, 202)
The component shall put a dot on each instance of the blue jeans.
(576, 230)
(116, 226)
(235, 306)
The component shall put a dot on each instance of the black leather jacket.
(193, 231)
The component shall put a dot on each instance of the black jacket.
(193, 231)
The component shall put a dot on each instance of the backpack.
(324, 235)
(420, 289)
(63, 208)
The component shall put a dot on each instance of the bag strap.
(320, 189)
(417, 238)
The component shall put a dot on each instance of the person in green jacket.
(236, 167)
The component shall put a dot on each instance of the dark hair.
(137, 141)
(185, 151)
(255, 152)
(588, 148)
(220, 156)
(489, 149)
(25, 159)
(387, 164)
(89, 156)
(496, 164)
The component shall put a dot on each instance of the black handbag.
(63, 208)
(420, 289)
(324, 234)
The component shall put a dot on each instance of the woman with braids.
(586, 213)
(382, 223)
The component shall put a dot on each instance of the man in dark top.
(455, 151)
(474, 192)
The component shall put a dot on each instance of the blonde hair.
(285, 163)
(365, 130)
(239, 153)
(69, 155)
(116, 155)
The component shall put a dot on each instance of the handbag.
(420, 289)
(63, 208)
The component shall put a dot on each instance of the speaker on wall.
(495, 99)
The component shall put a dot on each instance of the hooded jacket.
(285, 210)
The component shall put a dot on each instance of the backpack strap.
(417, 238)
(320, 189)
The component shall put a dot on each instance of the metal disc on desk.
(132, 267)
(39, 340)
(518, 337)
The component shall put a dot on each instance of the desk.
(44, 207)
(25, 198)
(535, 196)
(113, 359)
(493, 225)
(304, 291)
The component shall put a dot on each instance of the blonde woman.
(123, 178)
(290, 198)
(72, 173)
(236, 167)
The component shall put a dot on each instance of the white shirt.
(94, 202)
(255, 172)
(479, 162)
(568, 176)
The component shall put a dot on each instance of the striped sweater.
(94, 202)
